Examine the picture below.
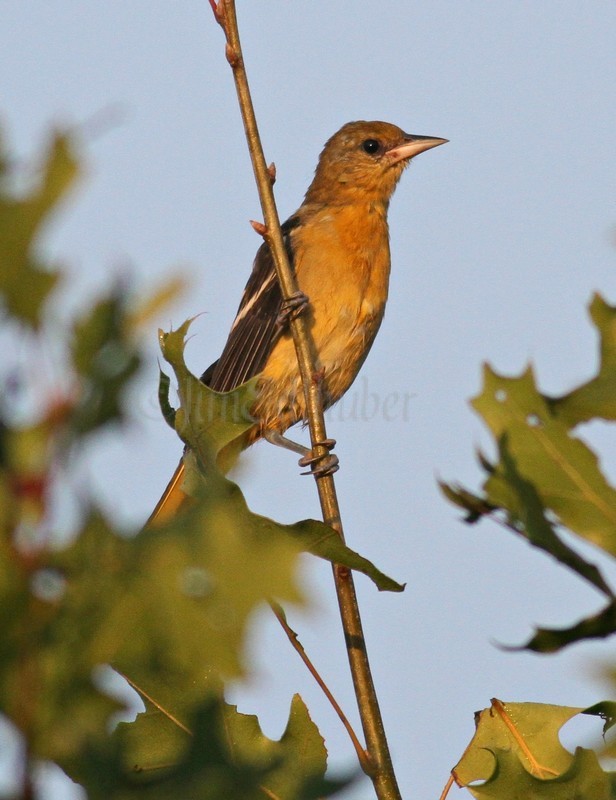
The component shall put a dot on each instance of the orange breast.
(342, 265)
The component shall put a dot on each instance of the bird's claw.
(321, 465)
(329, 464)
(292, 307)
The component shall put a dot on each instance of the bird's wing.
(253, 335)
(256, 328)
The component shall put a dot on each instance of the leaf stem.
(381, 767)
(293, 638)
(448, 786)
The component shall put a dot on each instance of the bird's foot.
(321, 465)
(292, 307)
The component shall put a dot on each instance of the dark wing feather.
(255, 330)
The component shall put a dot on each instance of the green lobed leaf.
(509, 491)
(202, 771)
(516, 755)
(298, 761)
(583, 780)
(192, 591)
(596, 626)
(236, 559)
(24, 284)
(210, 422)
(563, 470)
(527, 516)
(546, 477)
(319, 539)
(217, 494)
(597, 397)
(222, 754)
(515, 726)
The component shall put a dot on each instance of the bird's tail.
(172, 500)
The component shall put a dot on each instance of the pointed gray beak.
(413, 145)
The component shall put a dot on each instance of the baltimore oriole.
(338, 244)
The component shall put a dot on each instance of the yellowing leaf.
(517, 755)
(584, 779)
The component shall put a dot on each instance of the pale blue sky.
(498, 240)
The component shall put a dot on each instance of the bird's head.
(364, 161)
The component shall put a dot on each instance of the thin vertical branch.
(379, 766)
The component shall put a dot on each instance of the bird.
(338, 246)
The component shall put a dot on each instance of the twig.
(381, 767)
(292, 636)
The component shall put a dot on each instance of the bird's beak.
(412, 145)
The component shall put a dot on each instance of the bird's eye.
(371, 146)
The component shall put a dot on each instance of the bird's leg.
(292, 307)
(319, 465)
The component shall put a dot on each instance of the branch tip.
(259, 227)
(218, 10)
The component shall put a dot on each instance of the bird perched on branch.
(338, 244)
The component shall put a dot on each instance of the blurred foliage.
(104, 358)
(25, 283)
(220, 753)
(168, 607)
(546, 479)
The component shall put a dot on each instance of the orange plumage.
(338, 241)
